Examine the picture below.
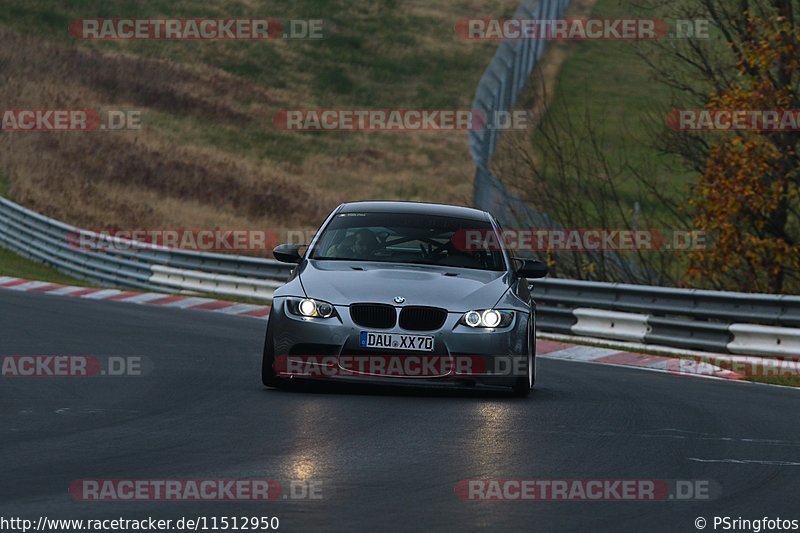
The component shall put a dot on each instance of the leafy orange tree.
(747, 197)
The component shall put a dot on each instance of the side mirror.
(532, 268)
(287, 253)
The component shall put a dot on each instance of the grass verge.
(17, 266)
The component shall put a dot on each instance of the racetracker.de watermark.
(30, 120)
(745, 365)
(599, 490)
(400, 365)
(399, 120)
(194, 29)
(194, 490)
(204, 240)
(773, 120)
(569, 29)
(578, 240)
(73, 366)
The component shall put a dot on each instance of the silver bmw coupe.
(405, 292)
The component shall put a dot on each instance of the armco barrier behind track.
(716, 321)
(125, 263)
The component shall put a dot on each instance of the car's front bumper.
(330, 348)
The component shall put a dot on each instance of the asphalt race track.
(386, 459)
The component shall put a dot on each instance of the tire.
(268, 376)
(523, 386)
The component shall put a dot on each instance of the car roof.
(415, 208)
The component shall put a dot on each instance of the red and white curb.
(149, 298)
(591, 354)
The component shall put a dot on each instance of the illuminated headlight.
(307, 307)
(310, 308)
(487, 318)
(472, 319)
(491, 318)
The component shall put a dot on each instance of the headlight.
(487, 318)
(472, 319)
(310, 308)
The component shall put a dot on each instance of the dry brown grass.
(123, 177)
(175, 172)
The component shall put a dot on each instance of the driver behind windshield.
(361, 245)
(365, 245)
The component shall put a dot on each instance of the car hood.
(456, 289)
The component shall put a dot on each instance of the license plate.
(396, 341)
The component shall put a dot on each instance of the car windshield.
(406, 238)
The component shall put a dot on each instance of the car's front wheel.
(524, 384)
(268, 376)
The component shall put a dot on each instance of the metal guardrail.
(117, 262)
(738, 323)
(505, 78)
(716, 321)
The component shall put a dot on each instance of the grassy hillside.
(605, 87)
(208, 154)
